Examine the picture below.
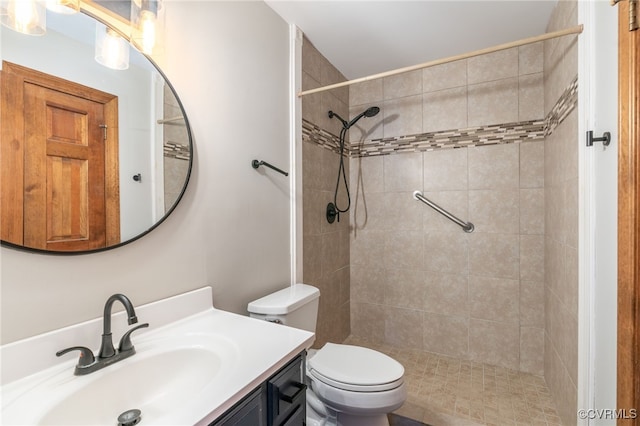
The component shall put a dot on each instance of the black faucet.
(106, 349)
(108, 355)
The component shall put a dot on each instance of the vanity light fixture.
(146, 20)
(112, 50)
(65, 7)
(24, 16)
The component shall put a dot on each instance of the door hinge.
(634, 20)
(104, 130)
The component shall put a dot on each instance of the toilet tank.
(295, 306)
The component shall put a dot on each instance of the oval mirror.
(92, 157)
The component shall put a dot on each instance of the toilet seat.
(354, 368)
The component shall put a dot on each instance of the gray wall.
(229, 64)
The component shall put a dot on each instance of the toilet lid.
(355, 368)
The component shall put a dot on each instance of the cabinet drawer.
(297, 417)
(251, 411)
(287, 395)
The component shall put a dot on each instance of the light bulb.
(25, 16)
(111, 50)
(147, 26)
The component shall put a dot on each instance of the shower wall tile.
(531, 58)
(494, 255)
(403, 327)
(444, 76)
(445, 109)
(403, 249)
(531, 165)
(326, 252)
(530, 97)
(367, 248)
(531, 358)
(495, 211)
(495, 343)
(403, 172)
(532, 303)
(494, 167)
(532, 211)
(446, 334)
(404, 288)
(446, 252)
(493, 102)
(561, 212)
(369, 212)
(445, 170)
(367, 283)
(367, 174)
(401, 85)
(446, 294)
(532, 257)
(493, 66)
(367, 322)
(402, 116)
(366, 92)
(494, 299)
(401, 212)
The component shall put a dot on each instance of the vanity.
(194, 365)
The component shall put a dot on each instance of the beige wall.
(419, 281)
(561, 221)
(325, 246)
(231, 229)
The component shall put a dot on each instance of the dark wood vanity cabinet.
(280, 401)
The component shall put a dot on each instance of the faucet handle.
(86, 355)
(125, 341)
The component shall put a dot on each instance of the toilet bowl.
(347, 385)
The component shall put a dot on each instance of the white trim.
(586, 273)
(295, 149)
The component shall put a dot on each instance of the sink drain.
(130, 417)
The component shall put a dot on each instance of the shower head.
(370, 112)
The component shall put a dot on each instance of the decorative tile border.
(563, 107)
(176, 150)
(524, 131)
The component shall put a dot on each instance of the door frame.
(13, 78)
(628, 374)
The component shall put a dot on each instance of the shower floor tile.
(445, 391)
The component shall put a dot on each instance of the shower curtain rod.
(573, 30)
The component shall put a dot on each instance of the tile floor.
(445, 391)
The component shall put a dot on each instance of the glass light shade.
(146, 25)
(24, 16)
(66, 7)
(112, 51)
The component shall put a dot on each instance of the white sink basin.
(158, 380)
(155, 385)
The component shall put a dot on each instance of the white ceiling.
(364, 37)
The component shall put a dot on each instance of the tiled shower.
(492, 139)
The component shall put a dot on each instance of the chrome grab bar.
(466, 226)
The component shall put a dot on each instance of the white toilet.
(347, 385)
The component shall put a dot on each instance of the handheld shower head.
(370, 112)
